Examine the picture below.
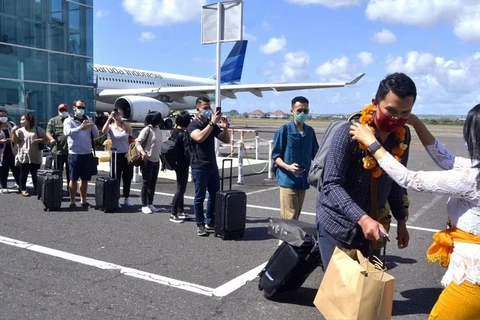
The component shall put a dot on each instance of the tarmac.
(87, 264)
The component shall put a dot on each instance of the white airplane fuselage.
(112, 77)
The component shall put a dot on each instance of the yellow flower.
(403, 146)
(107, 142)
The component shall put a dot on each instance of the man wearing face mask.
(343, 205)
(79, 130)
(203, 130)
(294, 146)
(58, 140)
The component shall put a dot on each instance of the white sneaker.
(146, 210)
(119, 205)
(152, 207)
(127, 203)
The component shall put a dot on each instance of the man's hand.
(144, 156)
(402, 234)
(295, 168)
(216, 117)
(86, 124)
(224, 123)
(371, 229)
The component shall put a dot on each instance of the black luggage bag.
(107, 189)
(230, 210)
(288, 268)
(49, 188)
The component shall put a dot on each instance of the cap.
(62, 106)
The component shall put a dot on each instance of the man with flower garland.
(343, 203)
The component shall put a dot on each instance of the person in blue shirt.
(292, 153)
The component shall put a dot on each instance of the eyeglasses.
(305, 111)
(80, 107)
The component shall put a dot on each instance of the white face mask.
(64, 114)
(3, 119)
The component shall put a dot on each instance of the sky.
(435, 42)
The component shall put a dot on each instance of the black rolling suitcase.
(230, 210)
(49, 188)
(107, 189)
(288, 268)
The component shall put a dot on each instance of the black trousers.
(25, 169)
(60, 161)
(124, 171)
(182, 180)
(149, 174)
(8, 164)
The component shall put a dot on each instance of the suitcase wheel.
(260, 287)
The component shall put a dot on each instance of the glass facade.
(46, 56)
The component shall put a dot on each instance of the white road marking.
(424, 208)
(262, 190)
(220, 291)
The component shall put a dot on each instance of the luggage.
(107, 189)
(288, 268)
(49, 188)
(230, 210)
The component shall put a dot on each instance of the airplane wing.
(227, 90)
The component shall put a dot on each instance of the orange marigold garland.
(369, 162)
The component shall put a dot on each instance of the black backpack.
(172, 149)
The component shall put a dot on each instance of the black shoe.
(174, 218)
(201, 231)
(86, 205)
(72, 206)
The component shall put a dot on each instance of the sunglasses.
(305, 111)
(80, 107)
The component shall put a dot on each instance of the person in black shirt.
(203, 130)
(8, 150)
(182, 121)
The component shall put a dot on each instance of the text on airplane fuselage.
(127, 72)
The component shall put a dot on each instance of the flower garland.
(369, 162)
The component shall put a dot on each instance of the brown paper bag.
(352, 288)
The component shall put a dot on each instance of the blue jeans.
(203, 180)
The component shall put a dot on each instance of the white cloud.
(163, 12)
(102, 13)
(327, 3)
(273, 45)
(366, 58)
(445, 86)
(334, 68)
(248, 36)
(146, 36)
(295, 66)
(464, 15)
(385, 36)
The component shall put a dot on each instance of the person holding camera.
(118, 132)
(30, 140)
(203, 130)
(293, 152)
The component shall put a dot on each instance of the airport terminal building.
(46, 56)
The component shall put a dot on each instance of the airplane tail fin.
(232, 67)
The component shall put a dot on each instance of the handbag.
(95, 158)
(41, 146)
(355, 288)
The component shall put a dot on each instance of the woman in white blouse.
(119, 132)
(458, 247)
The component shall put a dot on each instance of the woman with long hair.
(458, 247)
(119, 132)
(29, 156)
(148, 144)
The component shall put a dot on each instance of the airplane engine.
(135, 108)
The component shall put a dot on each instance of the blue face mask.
(301, 117)
(80, 112)
(207, 114)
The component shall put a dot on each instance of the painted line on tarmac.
(220, 291)
(424, 208)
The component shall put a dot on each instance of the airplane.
(138, 92)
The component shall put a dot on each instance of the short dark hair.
(4, 110)
(76, 101)
(471, 134)
(300, 99)
(202, 99)
(398, 83)
(29, 117)
(183, 119)
(154, 119)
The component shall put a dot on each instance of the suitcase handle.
(223, 173)
(114, 161)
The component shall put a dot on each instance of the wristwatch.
(374, 146)
(211, 123)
